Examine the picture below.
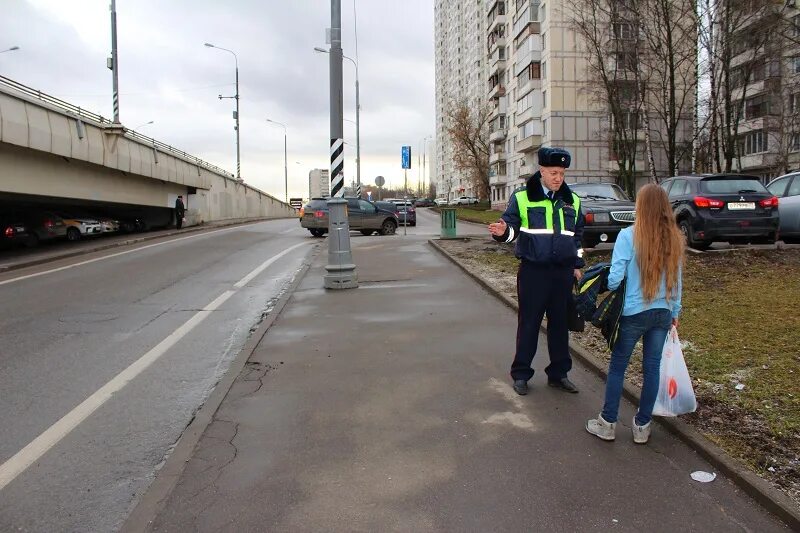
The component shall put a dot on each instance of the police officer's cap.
(554, 157)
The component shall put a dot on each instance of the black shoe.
(521, 387)
(563, 384)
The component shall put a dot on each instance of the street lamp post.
(285, 165)
(358, 121)
(114, 63)
(236, 97)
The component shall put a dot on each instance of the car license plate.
(741, 205)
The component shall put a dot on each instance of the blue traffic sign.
(406, 157)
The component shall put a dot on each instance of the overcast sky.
(169, 77)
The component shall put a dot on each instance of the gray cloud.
(167, 75)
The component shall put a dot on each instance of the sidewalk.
(389, 408)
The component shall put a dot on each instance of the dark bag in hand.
(574, 320)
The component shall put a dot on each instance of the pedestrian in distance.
(545, 219)
(649, 256)
(180, 212)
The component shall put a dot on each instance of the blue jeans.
(653, 326)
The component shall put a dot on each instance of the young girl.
(650, 256)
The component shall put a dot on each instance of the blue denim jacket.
(624, 265)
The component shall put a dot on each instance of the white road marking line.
(88, 261)
(288, 231)
(258, 270)
(55, 433)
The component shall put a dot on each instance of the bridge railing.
(83, 114)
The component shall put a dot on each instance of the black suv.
(731, 208)
(607, 210)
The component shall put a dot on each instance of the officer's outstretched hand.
(498, 229)
(578, 274)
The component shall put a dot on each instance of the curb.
(136, 240)
(156, 495)
(760, 490)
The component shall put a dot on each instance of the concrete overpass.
(54, 152)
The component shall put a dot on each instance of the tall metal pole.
(358, 139)
(340, 270)
(285, 168)
(115, 59)
(238, 149)
(337, 102)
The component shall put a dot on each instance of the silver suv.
(362, 215)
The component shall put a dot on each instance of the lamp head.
(321, 50)
(208, 45)
(14, 48)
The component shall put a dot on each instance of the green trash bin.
(448, 223)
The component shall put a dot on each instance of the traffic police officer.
(545, 219)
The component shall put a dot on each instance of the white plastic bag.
(675, 392)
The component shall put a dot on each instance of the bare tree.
(669, 30)
(614, 81)
(469, 132)
(728, 32)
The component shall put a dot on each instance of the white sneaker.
(600, 428)
(641, 434)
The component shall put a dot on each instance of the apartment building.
(537, 88)
(459, 34)
(319, 183)
(765, 75)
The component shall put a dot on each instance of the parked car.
(388, 206)
(607, 210)
(464, 200)
(424, 202)
(787, 190)
(406, 213)
(79, 226)
(730, 208)
(363, 216)
(42, 225)
(107, 224)
(440, 202)
(13, 231)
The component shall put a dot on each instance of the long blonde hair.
(658, 242)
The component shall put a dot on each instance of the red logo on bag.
(672, 388)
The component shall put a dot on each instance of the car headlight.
(601, 217)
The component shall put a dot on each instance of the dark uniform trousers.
(542, 289)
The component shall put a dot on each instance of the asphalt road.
(104, 358)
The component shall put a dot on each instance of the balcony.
(499, 20)
(498, 135)
(497, 91)
(498, 179)
(528, 86)
(758, 161)
(497, 157)
(529, 144)
(498, 42)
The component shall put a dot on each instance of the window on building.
(794, 142)
(626, 61)
(544, 99)
(544, 128)
(623, 30)
(794, 103)
(544, 70)
(754, 142)
(756, 107)
(796, 65)
(796, 26)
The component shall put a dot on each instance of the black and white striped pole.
(340, 270)
(113, 62)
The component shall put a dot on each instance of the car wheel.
(388, 227)
(686, 229)
(32, 240)
(791, 240)
(589, 242)
(366, 232)
(73, 234)
(317, 232)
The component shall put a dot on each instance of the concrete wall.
(47, 150)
